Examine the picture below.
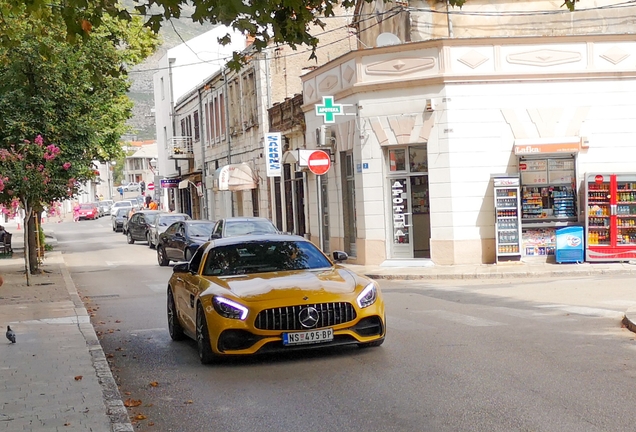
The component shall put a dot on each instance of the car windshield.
(86, 206)
(200, 230)
(237, 228)
(169, 220)
(262, 257)
(123, 211)
(151, 217)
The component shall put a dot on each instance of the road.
(459, 356)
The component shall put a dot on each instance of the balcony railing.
(181, 148)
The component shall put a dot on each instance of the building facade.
(422, 127)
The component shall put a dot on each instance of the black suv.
(138, 227)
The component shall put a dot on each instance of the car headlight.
(229, 309)
(368, 295)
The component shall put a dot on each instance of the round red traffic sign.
(319, 162)
(150, 186)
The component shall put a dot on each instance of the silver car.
(161, 223)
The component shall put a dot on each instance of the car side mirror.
(339, 256)
(215, 236)
(181, 268)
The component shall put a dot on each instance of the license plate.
(308, 337)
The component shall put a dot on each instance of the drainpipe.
(204, 212)
(228, 135)
(448, 19)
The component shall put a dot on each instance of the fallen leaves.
(154, 384)
(140, 417)
(132, 402)
(188, 402)
(78, 378)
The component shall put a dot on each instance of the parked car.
(119, 217)
(88, 211)
(131, 187)
(106, 204)
(138, 225)
(100, 209)
(117, 204)
(181, 240)
(162, 222)
(273, 292)
(236, 226)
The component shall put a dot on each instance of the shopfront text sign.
(329, 110)
(398, 201)
(170, 183)
(273, 152)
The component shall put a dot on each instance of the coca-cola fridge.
(610, 222)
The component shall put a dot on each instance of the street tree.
(72, 94)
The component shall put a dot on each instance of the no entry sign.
(319, 162)
(151, 186)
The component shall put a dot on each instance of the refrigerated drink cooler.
(507, 218)
(610, 222)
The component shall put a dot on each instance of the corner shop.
(474, 106)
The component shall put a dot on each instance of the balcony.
(180, 148)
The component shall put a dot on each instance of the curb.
(115, 408)
(506, 275)
(628, 322)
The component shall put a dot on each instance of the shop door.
(402, 244)
(410, 223)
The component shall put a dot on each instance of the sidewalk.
(56, 377)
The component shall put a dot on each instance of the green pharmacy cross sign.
(328, 109)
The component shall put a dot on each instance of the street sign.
(319, 162)
(150, 186)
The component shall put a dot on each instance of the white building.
(182, 69)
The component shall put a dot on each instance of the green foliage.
(72, 94)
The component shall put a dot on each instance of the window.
(196, 125)
(222, 113)
(207, 117)
(195, 262)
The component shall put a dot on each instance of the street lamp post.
(111, 179)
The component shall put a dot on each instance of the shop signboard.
(170, 183)
(273, 154)
(569, 245)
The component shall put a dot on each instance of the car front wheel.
(206, 355)
(174, 328)
(131, 240)
(150, 245)
(162, 259)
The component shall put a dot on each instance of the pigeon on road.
(10, 334)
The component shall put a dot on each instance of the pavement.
(57, 377)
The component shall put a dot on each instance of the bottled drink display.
(508, 229)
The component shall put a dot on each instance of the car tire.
(129, 238)
(375, 343)
(174, 327)
(150, 245)
(114, 229)
(206, 355)
(162, 259)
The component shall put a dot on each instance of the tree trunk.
(27, 266)
(34, 262)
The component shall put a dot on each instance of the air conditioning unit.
(321, 135)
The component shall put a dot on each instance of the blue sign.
(170, 183)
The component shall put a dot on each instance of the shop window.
(397, 159)
(418, 159)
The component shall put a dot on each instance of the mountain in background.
(141, 90)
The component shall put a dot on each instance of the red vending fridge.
(610, 222)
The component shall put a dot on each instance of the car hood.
(289, 284)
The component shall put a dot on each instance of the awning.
(235, 177)
(541, 146)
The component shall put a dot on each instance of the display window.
(548, 191)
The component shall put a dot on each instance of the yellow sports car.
(273, 292)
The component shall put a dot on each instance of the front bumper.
(235, 337)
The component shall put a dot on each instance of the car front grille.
(287, 318)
